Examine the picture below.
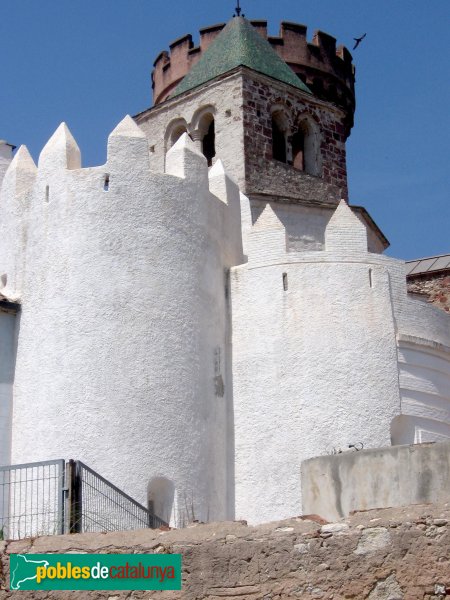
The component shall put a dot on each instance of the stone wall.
(436, 286)
(268, 176)
(241, 103)
(223, 100)
(391, 554)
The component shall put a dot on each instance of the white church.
(205, 311)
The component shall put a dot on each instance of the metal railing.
(32, 499)
(55, 497)
(98, 505)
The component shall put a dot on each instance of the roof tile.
(239, 44)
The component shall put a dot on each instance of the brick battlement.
(325, 68)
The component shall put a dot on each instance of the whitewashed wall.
(315, 365)
(7, 355)
(122, 357)
(328, 350)
(5, 157)
(125, 358)
(424, 375)
(7, 340)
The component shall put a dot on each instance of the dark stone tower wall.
(269, 177)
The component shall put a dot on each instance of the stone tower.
(277, 110)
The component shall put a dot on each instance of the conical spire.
(239, 44)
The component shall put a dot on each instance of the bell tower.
(276, 110)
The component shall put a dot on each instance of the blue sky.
(88, 62)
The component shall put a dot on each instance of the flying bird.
(359, 40)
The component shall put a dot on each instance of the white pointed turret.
(128, 146)
(60, 152)
(227, 190)
(221, 184)
(267, 237)
(21, 173)
(185, 160)
(345, 231)
(127, 128)
(14, 218)
(268, 220)
(6, 157)
(246, 221)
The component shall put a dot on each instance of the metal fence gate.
(98, 505)
(32, 499)
(55, 497)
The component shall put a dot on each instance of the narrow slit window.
(305, 148)
(278, 141)
(285, 282)
(209, 144)
(106, 183)
(47, 193)
(370, 278)
(298, 150)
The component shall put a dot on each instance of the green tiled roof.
(239, 44)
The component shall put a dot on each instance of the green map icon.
(23, 569)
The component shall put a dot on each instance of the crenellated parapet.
(170, 67)
(327, 69)
(120, 270)
(324, 67)
(41, 205)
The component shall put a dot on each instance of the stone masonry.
(265, 175)
(390, 554)
(436, 286)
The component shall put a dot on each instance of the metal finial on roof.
(238, 10)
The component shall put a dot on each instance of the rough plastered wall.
(336, 486)
(423, 333)
(7, 357)
(5, 157)
(14, 205)
(7, 350)
(123, 346)
(314, 357)
(391, 554)
(424, 377)
(305, 225)
(221, 98)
